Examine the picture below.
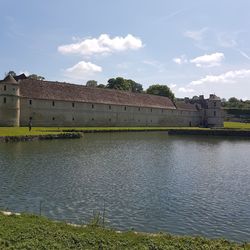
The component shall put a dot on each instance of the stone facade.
(62, 104)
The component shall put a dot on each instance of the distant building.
(49, 103)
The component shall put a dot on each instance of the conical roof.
(9, 79)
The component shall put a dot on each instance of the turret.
(214, 113)
(9, 102)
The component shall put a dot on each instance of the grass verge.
(33, 232)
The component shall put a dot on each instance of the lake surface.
(148, 181)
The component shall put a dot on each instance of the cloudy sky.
(195, 47)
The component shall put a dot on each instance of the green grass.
(236, 125)
(23, 131)
(33, 232)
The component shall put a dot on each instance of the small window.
(93, 106)
(139, 109)
(162, 110)
(151, 110)
(125, 108)
(151, 121)
(4, 87)
(214, 113)
(30, 102)
(53, 103)
(110, 119)
(109, 106)
(73, 104)
(73, 119)
(93, 119)
(214, 104)
(30, 118)
(53, 118)
(4, 100)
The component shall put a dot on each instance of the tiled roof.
(185, 106)
(35, 89)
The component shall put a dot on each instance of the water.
(148, 181)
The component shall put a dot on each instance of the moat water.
(148, 182)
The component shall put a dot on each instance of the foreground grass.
(33, 232)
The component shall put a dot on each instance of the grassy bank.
(33, 232)
(24, 131)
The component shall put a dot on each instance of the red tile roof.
(48, 90)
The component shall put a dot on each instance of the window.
(53, 118)
(109, 107)
(93, 119)
(110, 119)
(214, 104)
(4, 87)
(73, 104)
(4, 100)
(125, 108)
(214, 113)
(53, 103)
(30, 102)
(162, 110)
(73, 119)
(151, 110)
(139, 109)
(93, 106)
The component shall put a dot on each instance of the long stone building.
(48, 103)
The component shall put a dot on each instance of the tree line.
(121, 83)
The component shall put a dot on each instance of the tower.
(9, 102)
(214, 113)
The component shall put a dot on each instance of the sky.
(195, 47)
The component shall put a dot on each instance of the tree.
(118, 83)
(135, 87)
(161, 90)
(91, 83)
(36, 77)
(233, 99)
(11, 73)
(101, 86)
(124, 84)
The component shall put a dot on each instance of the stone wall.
(65, 113)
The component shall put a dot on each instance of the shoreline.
(29, 230)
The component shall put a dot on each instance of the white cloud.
(172, 86)
(185, 90)
(82, 70)
(244, 54)
(228, 77)
(102, 45)
(211, 60)
(180, 60)
(196, 35)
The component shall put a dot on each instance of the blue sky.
(195, 47)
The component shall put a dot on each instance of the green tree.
(135, 87)
(118, 83)
(101, 86)
(161, 90)
(36, 77)
(91, 83)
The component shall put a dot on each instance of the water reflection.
(149, 181)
